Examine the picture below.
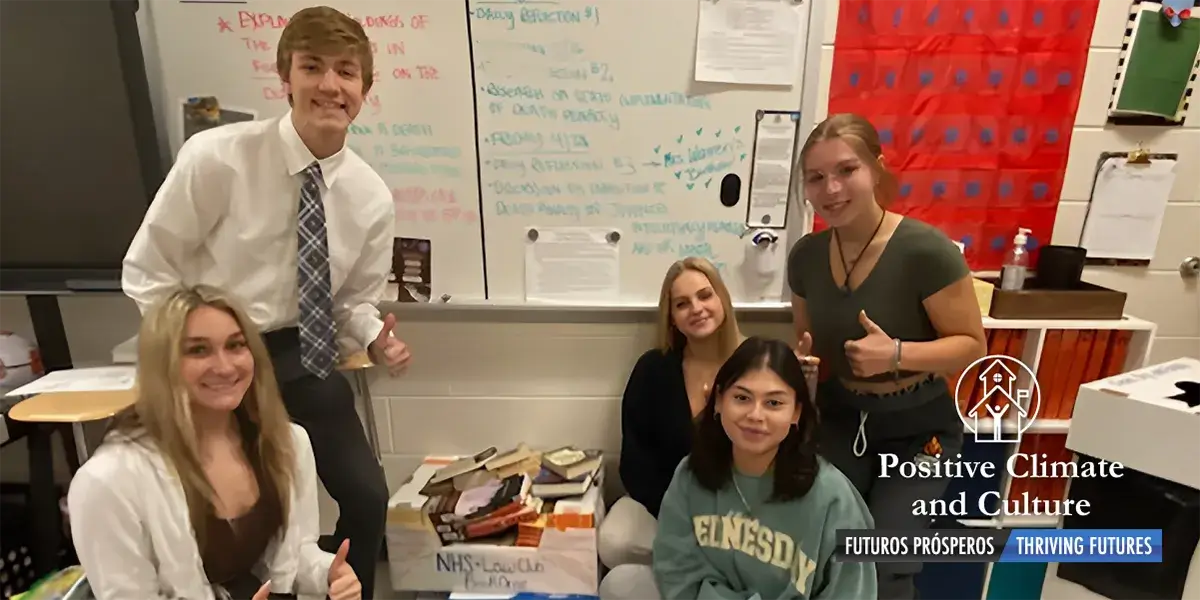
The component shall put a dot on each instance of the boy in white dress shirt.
(285, 216)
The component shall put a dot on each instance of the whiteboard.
(416, 129)
(588, 115)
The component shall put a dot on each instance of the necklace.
(697, 377)
(737, 488)
(849, 269)
(749, 513)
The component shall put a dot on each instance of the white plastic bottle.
(1016, 262)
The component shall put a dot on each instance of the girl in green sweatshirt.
(753, 513)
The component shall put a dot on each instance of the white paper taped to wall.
(771, 177)
(751, 42)
(572, 264)
(95, 379)
(1127, 208)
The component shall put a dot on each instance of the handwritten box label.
(566, 563)
(483, 572)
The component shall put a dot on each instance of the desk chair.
(360, 363)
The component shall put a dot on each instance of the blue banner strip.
(1083, 545)
(987, 545)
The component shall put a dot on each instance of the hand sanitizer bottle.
(1016, 262)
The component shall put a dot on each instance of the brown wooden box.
(1090, 301)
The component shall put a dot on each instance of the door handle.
(1190, 267)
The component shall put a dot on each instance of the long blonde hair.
(162, 413)
(669, 336)
(861, 136)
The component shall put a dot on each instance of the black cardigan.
(656, 426)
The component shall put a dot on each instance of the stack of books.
(508, 498)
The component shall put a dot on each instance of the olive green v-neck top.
(917, 262)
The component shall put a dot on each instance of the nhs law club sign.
(1006, 408)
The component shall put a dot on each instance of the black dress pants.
(346, 464)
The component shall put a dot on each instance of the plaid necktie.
(318, 349)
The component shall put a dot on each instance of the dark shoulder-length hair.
(795, 468)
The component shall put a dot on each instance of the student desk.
(75, 408)
(41, 412)
(78, 408)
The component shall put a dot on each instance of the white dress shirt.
(131, 530)
(227, 214)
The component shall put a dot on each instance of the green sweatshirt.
(709, 546)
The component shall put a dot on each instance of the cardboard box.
(565, 562)
(983, 294)
(1139, 420)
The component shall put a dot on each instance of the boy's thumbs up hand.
(387, 349)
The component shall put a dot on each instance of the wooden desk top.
(71, 407)
(80, 407)
(356, 361)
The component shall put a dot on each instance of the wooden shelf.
(1127, 322)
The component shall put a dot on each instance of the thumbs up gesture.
(388, 349)
(343, 583)
(804, 352)
(263, 592)
(873, 353)
(804, 349)
(809, 363)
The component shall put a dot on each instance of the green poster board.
(1158, 65)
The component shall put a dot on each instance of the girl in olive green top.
(887, 304)
(753, 512)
